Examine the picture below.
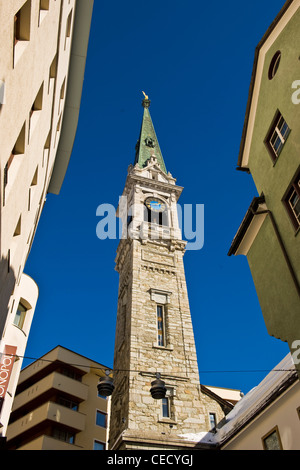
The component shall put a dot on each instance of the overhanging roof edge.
(253, 76)
(82, 22)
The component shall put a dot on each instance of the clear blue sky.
(194, 59)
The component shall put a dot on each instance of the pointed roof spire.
(148, 145)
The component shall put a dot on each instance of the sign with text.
(6, 365)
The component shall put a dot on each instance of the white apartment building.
(43, 48)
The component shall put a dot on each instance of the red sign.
(6, 365)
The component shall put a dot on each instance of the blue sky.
(194, 59)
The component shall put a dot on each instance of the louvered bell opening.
(105, 386)
(158, 389)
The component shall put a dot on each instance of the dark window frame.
(275, 431)
(160, 323)
(63, 435)
(293, 189)
(165, 407)
(68, 403)
(96, 441)
(212, 419)
(275, 138)
(104, 415)
(19, 320)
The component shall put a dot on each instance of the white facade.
(266, 418)
(16, 334)
(43, 47)
(270, 409)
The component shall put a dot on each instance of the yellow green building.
(270, 152)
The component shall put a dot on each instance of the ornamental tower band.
(154, 333)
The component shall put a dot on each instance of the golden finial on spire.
(146, 101)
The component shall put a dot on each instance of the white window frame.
(161, 299)
(170, 394)
(277, 131)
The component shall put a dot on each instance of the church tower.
(154, 333)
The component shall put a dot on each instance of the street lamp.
(105, 386)
(158, 389)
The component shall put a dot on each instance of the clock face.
(155, 205)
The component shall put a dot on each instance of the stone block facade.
(154, 332)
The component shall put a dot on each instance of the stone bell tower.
(154, 332)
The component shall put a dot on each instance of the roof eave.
(252, 82)
(256, 201)
(82, 25)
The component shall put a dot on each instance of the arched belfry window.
(156, 211)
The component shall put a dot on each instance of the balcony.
(52, 383)
(48, 443)
(48, 413)
(54, 358)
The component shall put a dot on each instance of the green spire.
(148, 145)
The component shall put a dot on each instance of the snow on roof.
(248, 405)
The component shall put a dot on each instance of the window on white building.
(272, 440)
(20, 316)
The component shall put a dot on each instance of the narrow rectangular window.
(165, 403)
(68, 28)
(44, 7)
(35, 110)
(160, 325)
(5, 181)
(22, 23)
(44, 4)
(277, 136)
(21, 30)
(61, 96)
(212, 420)
(58, 127)
(17, 230)
(52, 72)
(17, 27)
(18, 149)
(291, 201)
(32, 188)
(20, 316)
(101, 419)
